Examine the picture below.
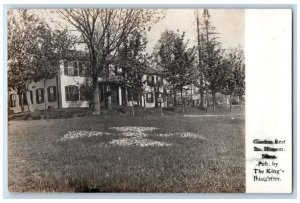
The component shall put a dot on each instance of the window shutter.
(54, 93)
(66, 93)
(75, 68)
(48, 93)
(76, 93)
(31, 97)
(42, 95)
(37, 96)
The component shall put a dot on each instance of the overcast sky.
(228, 22)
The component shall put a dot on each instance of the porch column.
(143, 102)
(120, 95)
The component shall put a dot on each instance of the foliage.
(33, 50)
(211, 55)
(175, 59)
(132, 60)
(234, 77)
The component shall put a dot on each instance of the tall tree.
(200, 49)
(103, 31)
(212, 57)
(234, 76)
(133, 62)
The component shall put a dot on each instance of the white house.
(65, 90)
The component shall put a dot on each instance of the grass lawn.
(188, 154)
(122, 111)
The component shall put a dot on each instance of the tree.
(234, 77)
(133, 62)
(103, 31)
(200, 49)
(175, 59)
(33, 52)
(212, 58)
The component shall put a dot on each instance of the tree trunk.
(192, 95)
(174, 93)
(140, 100)
(22, 101)
(181, 94)
(214, 101)
(45, 90)
(96, 100)
(183, 105)
(132, 105)
(230, 103)
(156, 93)
(29, 104)
(200, 64)
(201, 93)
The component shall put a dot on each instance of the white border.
(268, 95)
(249, 3)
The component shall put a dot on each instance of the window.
(149, 97)
(51, 92)
(39, 96)
(150, 80)
(70, 70)
(12, 98)
(72, 93)
(75, 67)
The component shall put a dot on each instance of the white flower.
(133, 136)
(78, 134)
(136, 141)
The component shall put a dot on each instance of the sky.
(228, 22)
